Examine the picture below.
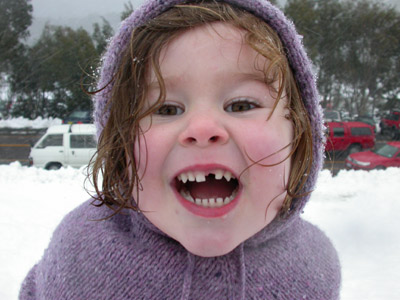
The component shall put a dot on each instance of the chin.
(210, 246)
(209, 252)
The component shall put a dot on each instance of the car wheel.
(392, 133)
(353, 149)
(380, 168)
(53, 166)
(397, 134)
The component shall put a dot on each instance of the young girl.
(210, 141)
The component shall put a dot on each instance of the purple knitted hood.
(298, 60)
(127, 257)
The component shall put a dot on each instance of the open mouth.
(210, 189)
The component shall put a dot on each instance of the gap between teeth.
(201, 176)
(211, 202)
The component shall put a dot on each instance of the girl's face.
(195, 185)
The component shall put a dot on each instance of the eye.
(169, 110)
(241, 105)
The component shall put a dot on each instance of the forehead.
(220, 43)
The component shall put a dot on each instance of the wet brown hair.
(116, 162)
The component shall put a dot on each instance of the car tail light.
(30, 161)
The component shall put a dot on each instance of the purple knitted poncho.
(127, 257)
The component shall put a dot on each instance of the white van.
(64, 145)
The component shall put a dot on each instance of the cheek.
(151, 151)
(270, 162)
(268, 143)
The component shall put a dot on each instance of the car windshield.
(387, 151)
(79, 114)
(365, 119)
(331, 115)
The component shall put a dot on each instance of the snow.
(21, 122)
(358, 210)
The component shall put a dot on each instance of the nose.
(203, 130)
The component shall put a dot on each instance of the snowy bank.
(21, 122)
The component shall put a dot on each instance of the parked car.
(368, 120)
(332, 116)
(386, 156)
(390, 124)
(62, 145)
(349, 137)
(79, 117)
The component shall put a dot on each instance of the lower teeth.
(212, 202)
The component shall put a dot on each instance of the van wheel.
(353, 149)
(53, 166)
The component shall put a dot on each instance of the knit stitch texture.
(122, 258)
(127, 257)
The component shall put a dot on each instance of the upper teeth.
(200, 176)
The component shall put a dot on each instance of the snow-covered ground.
(21, 122)
(358, 210)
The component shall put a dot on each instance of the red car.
(349, 137)
(391, 124)
(386, 156)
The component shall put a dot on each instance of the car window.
(338, 131)
(82, 141)
(393, 117)
(387, 151)
(332, 115)
(357, 131)
(80, 114)
(51, 140)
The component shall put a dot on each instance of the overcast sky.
(76, 13)
(78, 8)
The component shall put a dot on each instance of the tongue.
(211, 188)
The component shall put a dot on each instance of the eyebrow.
(237, 76)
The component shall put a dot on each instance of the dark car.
(386, 156)
(79, 117)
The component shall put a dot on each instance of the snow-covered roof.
(74, 128)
